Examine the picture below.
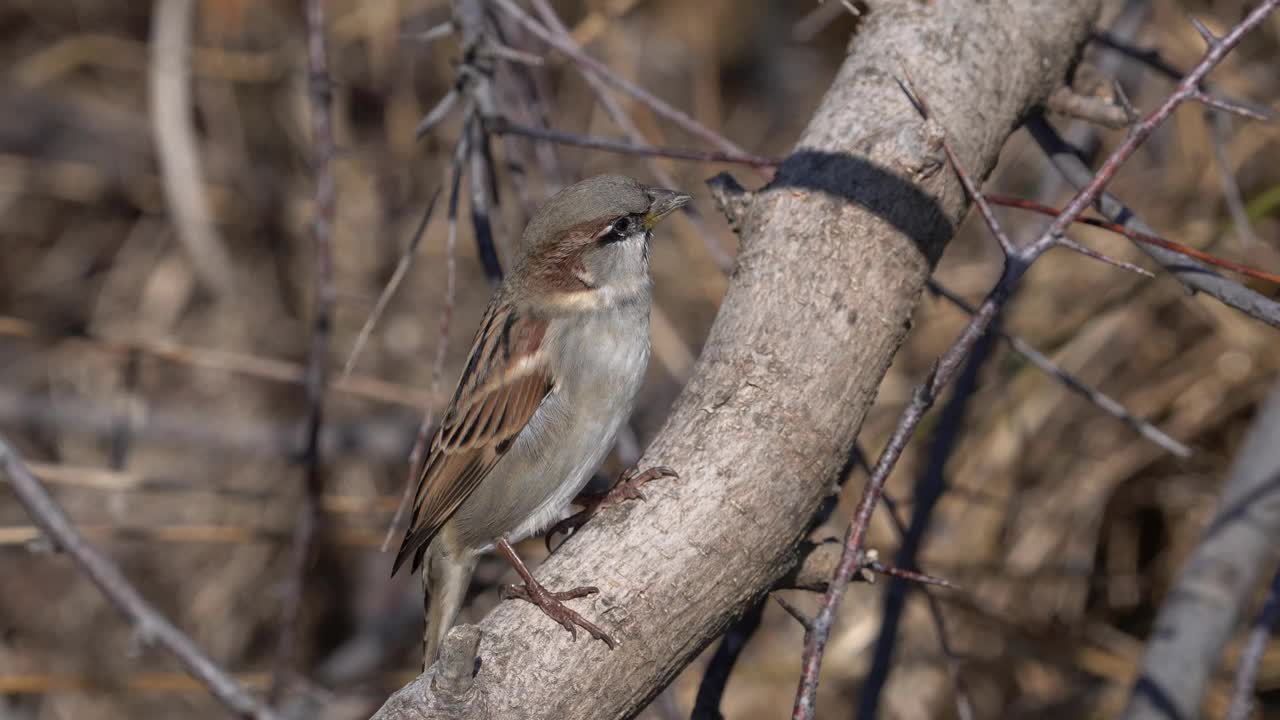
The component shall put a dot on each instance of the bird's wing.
(505, 380)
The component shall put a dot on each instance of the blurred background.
(151, 361)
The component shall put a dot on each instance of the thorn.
(444, 29)
(794, 612)
(1122, 99)
(909, 575)
(1210, 39)
(1074, 246)
(1233, 108)
(520, 57)
(437, 114)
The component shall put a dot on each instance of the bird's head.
(588, 246)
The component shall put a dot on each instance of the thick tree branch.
(835, 253)
(1217, 582)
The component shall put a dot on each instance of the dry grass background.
(163, 412)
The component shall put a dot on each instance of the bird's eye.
(618, 230)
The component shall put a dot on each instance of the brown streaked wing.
(503, 384)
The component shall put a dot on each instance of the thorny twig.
(928, 491)
(475, 88)
(1068, 244)
(1193, 275)
(812, 573)
(948, 364)
(1105, 402)
(676, 357)
(318, 359)
(1141, 237)
(1217, 124)
(1151, 58)
(169, 93)
(557, 40)
(964, 704)
(151, 626)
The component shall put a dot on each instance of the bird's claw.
(627, 488)
(552, 605)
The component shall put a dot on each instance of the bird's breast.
(598, 363)
(603, 356)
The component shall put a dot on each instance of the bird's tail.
(446, 580)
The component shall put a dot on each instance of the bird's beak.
(663, 202)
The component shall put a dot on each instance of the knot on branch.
(732, 199)
(447, 690)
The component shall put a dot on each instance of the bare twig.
(318, 360)
(1193, 275)
(442, 343)
(1104, 402)
(255, 366)
(624, 122)
(1075, 247)
(1150, 57)
(151, 626)
(805, 621)
(93, 478)
(557, 40)
(397, 276)
(483, 184)
(503, 126)
(199, 431)
(1101, 111)
(1232, 107)
(29, 535)
(475, 87)
(170, 97)
(1141, 237)
(927, 493)
(1219, 125)
(964, 704)
(949, 363)
(818, 562)
(436, 114)
(1251, 657)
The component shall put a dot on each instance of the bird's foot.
(627, 488)
(552, 605)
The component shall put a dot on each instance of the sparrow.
(552, 374)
